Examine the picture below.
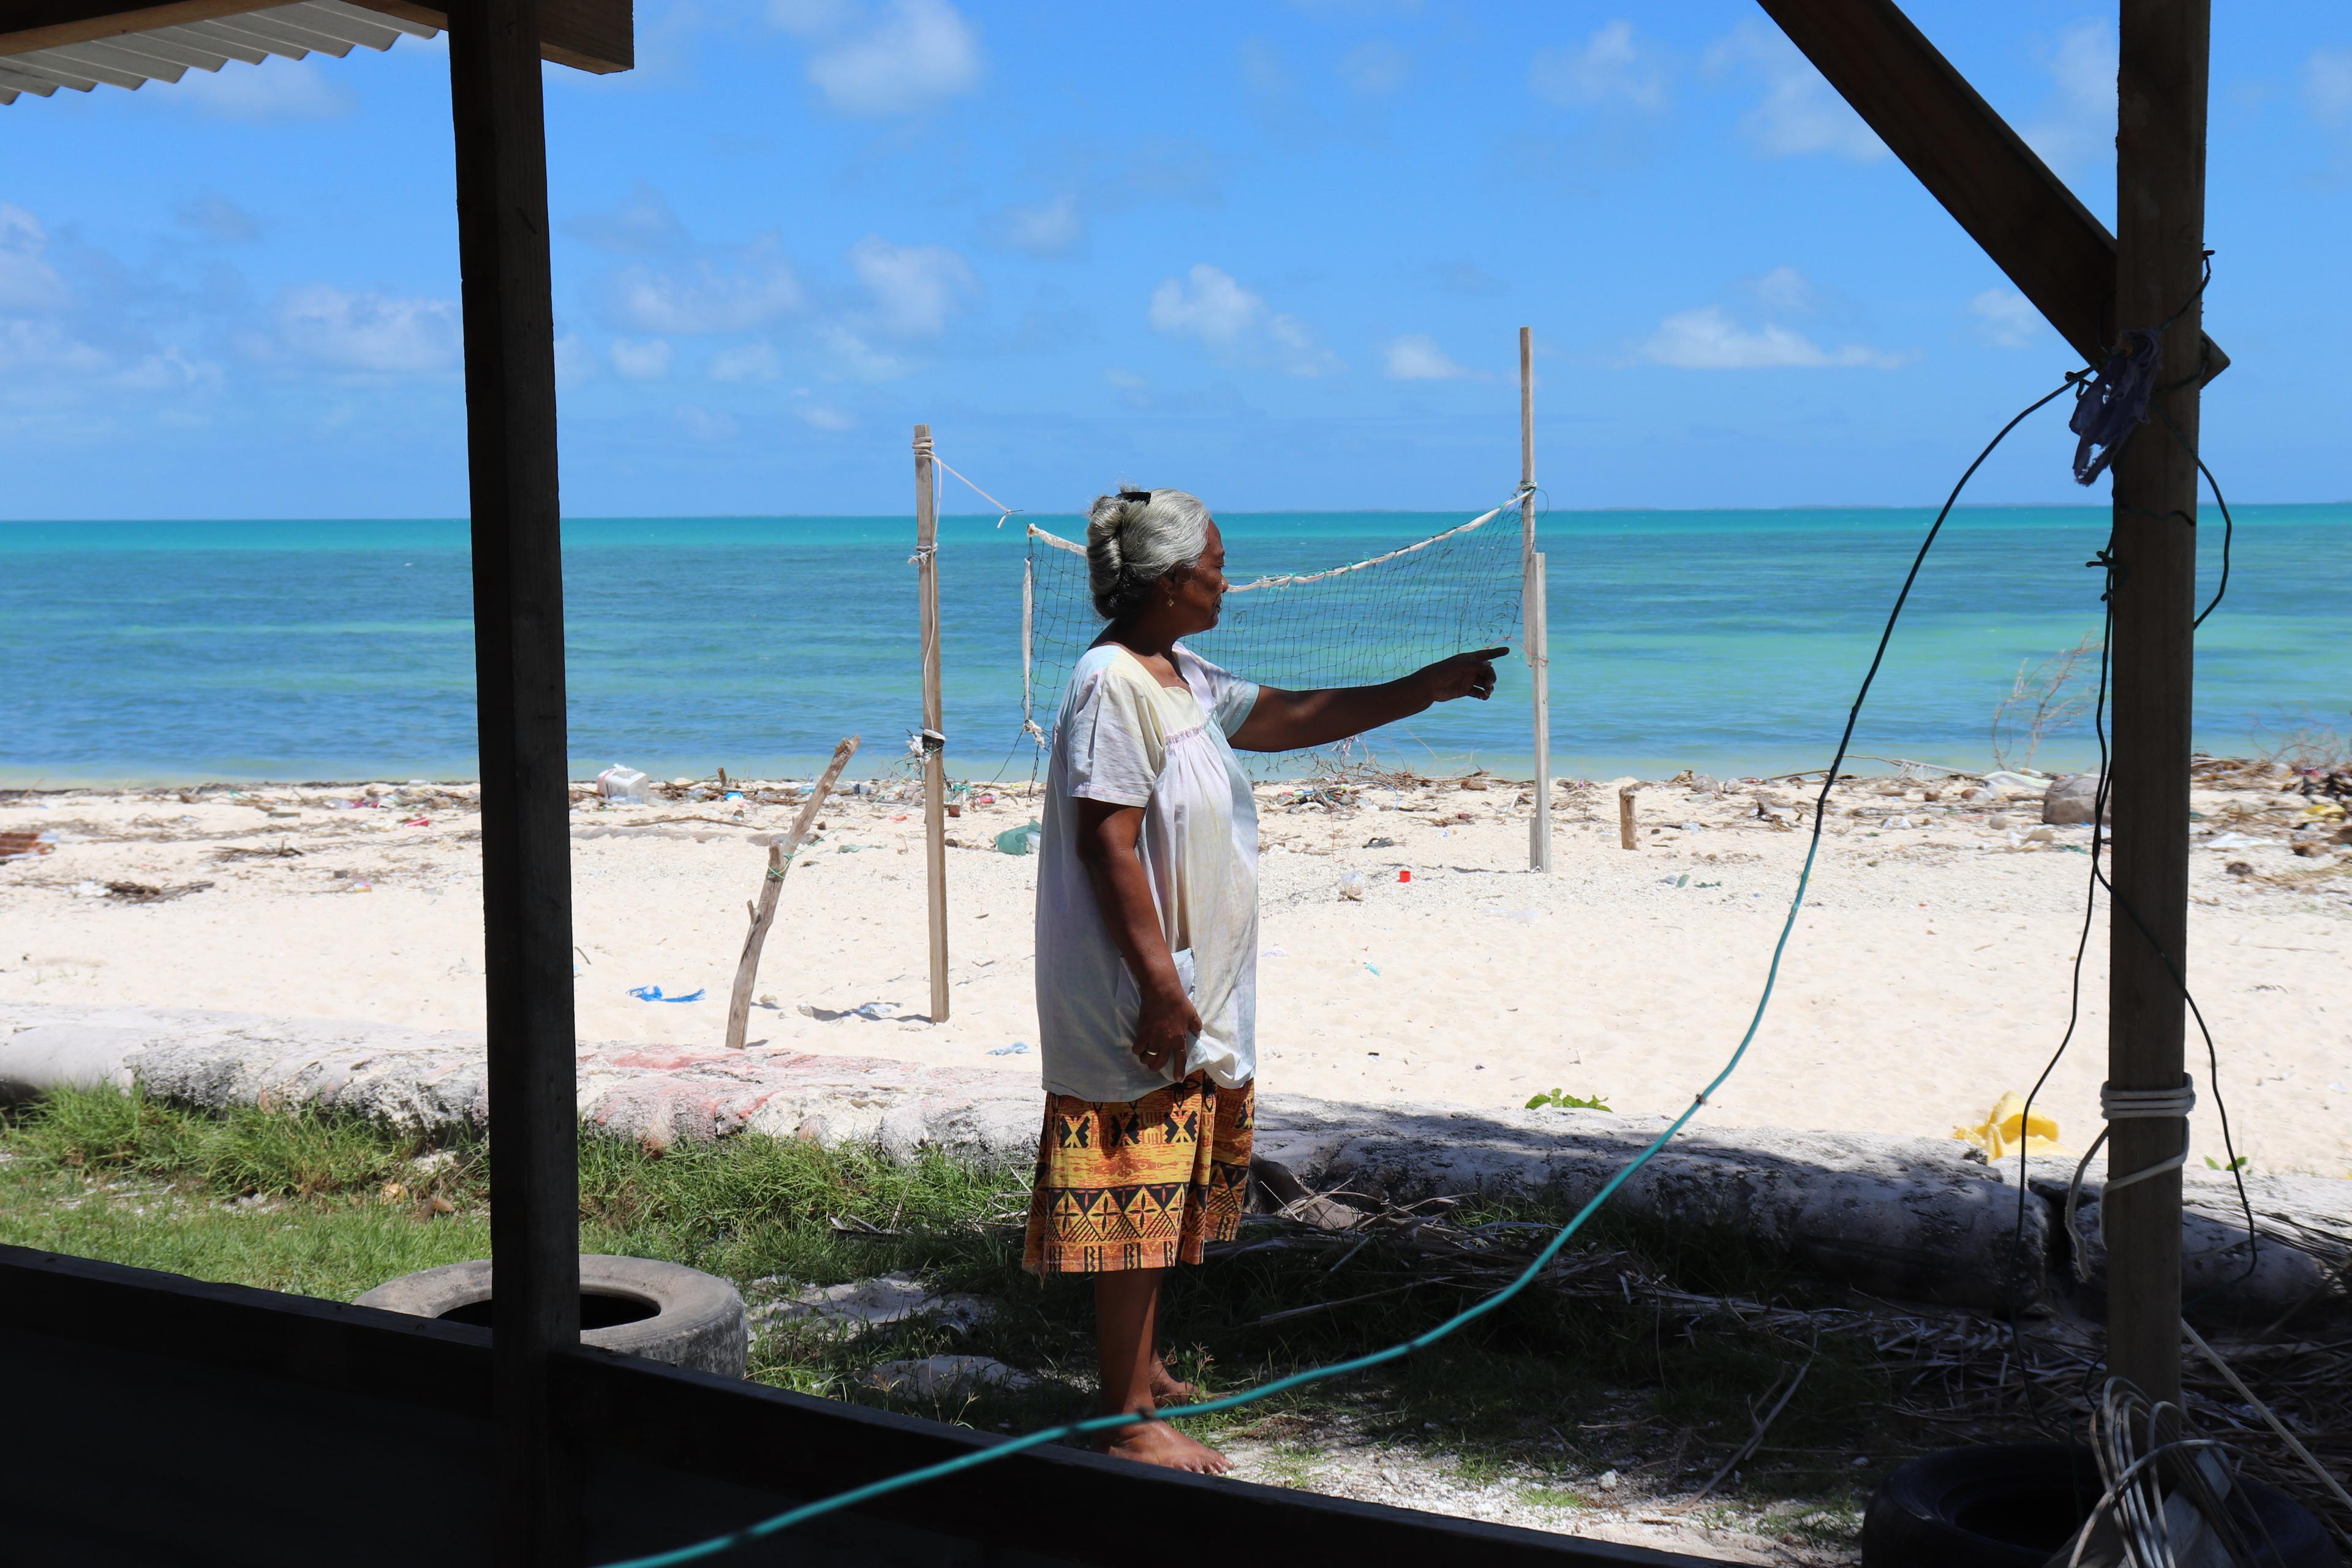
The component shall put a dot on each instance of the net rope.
(1353, 625)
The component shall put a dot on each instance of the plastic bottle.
(1022, 840)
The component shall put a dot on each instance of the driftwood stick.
(1625, 839)
(763, 913)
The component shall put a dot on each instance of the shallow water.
(1725, 641)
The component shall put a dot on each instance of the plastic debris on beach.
(2008, 1125)
(875, 1012)
(1022, 840)
(653, 993)
(622, 785)
(1017, 1049)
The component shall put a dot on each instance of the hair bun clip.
(1144, 496)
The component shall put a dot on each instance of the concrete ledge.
(1908, 1217)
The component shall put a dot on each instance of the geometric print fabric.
(1139, 1183)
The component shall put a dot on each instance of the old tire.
(663, 1311)
(2011, 1505)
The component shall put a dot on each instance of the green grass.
(331, 1206)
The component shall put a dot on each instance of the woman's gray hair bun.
(1137, 537)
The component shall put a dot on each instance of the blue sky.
(1276, 255)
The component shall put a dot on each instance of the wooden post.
(772, 886)
(1625, 838)
(935, 762)
(2160, 244)
(1536, 632)
(509, 355)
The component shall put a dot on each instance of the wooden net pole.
(1532, 610)
(935, 762)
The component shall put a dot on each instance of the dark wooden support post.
(501, 140)
(2159, 247)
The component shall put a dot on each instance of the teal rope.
(1477, 1310)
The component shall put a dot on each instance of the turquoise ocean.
(1725, 641)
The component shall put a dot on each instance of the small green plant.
(2240, 1163)
(1563, 1100)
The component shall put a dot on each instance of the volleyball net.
(1352, 624)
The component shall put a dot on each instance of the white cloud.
(215, 214)
(853, 355)
(1300, 352)
(903, 57)
(1375, 68)
(1614, 66)
(718, 292)
(2008, 319)
(1708, 339)
(273, 89)
(2077, 126)
(41, 346)
(916, 288)
(368, 330)
(824, 416)
(27, 346)
(1785, 289)
(747, 362)
(1125, 380)
(28, 281)
(641, 226)
(1799, 113)
(2328, 86)
(646, 360)
(575, 362)
(1417, 357)
(1209, 305)
(705, 424)
(1051, 228)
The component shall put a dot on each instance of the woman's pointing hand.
(1464, 674)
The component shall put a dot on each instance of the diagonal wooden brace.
(2059, 255)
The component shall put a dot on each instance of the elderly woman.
(1147, 935)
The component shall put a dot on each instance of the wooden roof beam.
(2059, 255)
(597, 36)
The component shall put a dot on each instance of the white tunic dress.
(1124, 739)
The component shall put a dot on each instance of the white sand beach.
(1927, 975)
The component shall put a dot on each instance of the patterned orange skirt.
(1139, 1183)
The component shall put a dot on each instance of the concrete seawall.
(1905, 1217)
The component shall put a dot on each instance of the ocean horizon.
(1730, 642)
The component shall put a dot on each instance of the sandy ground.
(1927, 975)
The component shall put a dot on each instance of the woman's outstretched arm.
(1286, 721)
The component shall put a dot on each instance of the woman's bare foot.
(1167, 1390)
(1157, 1443)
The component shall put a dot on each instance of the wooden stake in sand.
(1532, 610)
(764, 912)
(935, 741)
(1625, 839)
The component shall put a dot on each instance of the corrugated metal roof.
(167, 54)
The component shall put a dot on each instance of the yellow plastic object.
(2324, 810)
(2007, 1126)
